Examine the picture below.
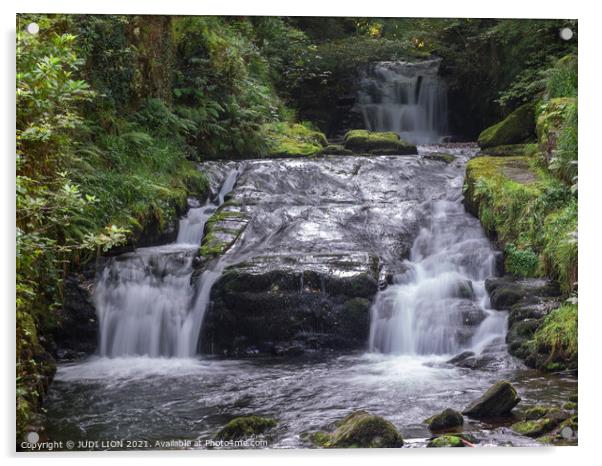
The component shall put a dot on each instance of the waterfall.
(407, 98)
(145, 301)
(439, 305)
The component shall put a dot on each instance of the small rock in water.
(497, 401)
(446, 441)
(445, 420)
(245, 426)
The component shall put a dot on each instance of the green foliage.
(520, 262)
(532, 215)
(561, 80)
(558, 336)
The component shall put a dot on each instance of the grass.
(558, 334)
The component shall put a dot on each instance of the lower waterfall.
(145, 301)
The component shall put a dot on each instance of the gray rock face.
(304, 244)
(495, 402)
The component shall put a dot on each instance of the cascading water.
(145, 301)
(407, 98)
(439, 305)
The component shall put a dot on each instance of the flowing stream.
(148, 382)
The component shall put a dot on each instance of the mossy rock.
(360, 429)
(516, 127)
(361, 141)
(507, 150)
(245, 426)
(541, 425)
(446, 441)
(439, 157)
(498, 400)
(336, 149)
(292, 140)
(536, 412)
(445, 420)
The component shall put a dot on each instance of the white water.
(145, 301)
(439, 305)
(407, 98)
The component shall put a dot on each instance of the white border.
(590, 324)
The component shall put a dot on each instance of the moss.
(360, 430)
(533, 428)
(445, 441)
(292, 140)
(362, 141)
(570, 405)
(557, 337)
(447, 158)
(536, 412)
(244, 427)
(218, 238)
(516, 127)
(530, 214)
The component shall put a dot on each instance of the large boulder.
(516, 127)
(274, 303)
(361, 141)
(536, 426)
(497, 401)
(360, 429)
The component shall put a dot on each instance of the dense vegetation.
(114, 111)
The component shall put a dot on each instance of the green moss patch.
(361, 141)
(244, 427)
(292, 140)
(446, 441)
(506, 150)
(531, 214)
(516, 127)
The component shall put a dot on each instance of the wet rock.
(440, 157)
(245, 427)
(445, 420)
(542, 424)
(446, 441)
(461, 357)
(76, 333)
(360, 429)
(497, 401)
(317, 302)
(336, 149)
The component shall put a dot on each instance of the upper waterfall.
(407, 98)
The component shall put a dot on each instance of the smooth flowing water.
(145, 300)
(407, 98)
(148, 382)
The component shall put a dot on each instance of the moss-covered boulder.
(360, 429)
(446, 420)
(361, 141)
(292, 140)
(497, 401)
(245, 426)
(446, 441)
(516, 127)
